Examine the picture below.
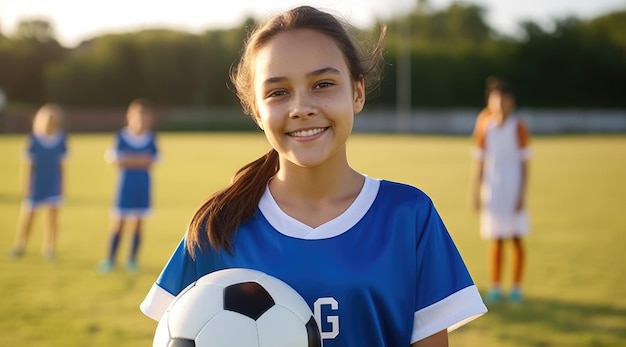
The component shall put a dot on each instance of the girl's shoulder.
(403, 192)
(404, 202)
(135, 140)
(57, 139)
(517, 120)
(401, 187)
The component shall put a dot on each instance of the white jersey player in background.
(499, 183)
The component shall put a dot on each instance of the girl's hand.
(520, 203)
(475, 202)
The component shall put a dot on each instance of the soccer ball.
(239, 308)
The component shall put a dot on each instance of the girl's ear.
(359, 95)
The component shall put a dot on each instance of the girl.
(134, 153)
(499, 183)
(371, 257)
(47, 147)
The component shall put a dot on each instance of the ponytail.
(217, 219)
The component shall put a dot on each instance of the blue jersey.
(134, 186)
(46, 154)
(384, 273)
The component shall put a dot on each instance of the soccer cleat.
(16, 253)
(131, 266)
(515, 295)
(493, 296)
(106, 266)
(49, 255)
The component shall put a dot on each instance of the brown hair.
(498, 84)
(140, 103)
(220, 215)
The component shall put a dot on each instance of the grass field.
(575, 285)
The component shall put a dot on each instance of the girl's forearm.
(477, 176)
(135, 161)
(30, 168)
(524, 179)
(521, 198)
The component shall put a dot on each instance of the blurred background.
(566, 58)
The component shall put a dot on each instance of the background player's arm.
(476, 176)
(135, 161)
(129, 161)
(523, 138)
(476, 181)
(61, 176)
(439, 339)
(521, 198)
(29, 169)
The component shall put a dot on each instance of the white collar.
(134, 139)
(289, 226)
(49, 140)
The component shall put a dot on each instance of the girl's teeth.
(305, 133)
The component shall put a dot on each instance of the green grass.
(576, 253)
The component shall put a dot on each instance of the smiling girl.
(371, 257)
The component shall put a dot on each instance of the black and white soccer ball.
(239, 308)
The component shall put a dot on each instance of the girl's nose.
(302, 105)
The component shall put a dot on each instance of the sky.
(78, 20)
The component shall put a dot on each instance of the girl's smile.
(308, 134)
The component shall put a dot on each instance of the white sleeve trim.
(156, 302)
(450, 313)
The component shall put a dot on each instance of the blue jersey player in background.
(135, 150)
(46, 151)
(371, 257)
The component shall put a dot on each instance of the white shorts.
(503, 226)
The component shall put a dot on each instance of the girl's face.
(138, 119)
(501, 103)
(305, 97)
(47, 122)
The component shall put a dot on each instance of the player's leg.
(24, 226)
(518, 268)
(114, 242)
(131, 265)
(495, 258)
(50, 233)
(141, 206)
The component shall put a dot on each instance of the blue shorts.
(133, 198)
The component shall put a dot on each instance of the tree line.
(574, 64)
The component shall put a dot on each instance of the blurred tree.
(35, 29)
(172, 68)
(465, 24)
(25, 58)
(423, 7)
(458, 26)
(612, 26)
(571, 65)
(452, 50)
(452, 53)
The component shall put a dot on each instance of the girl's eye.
(324, 84)
(275, 93)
